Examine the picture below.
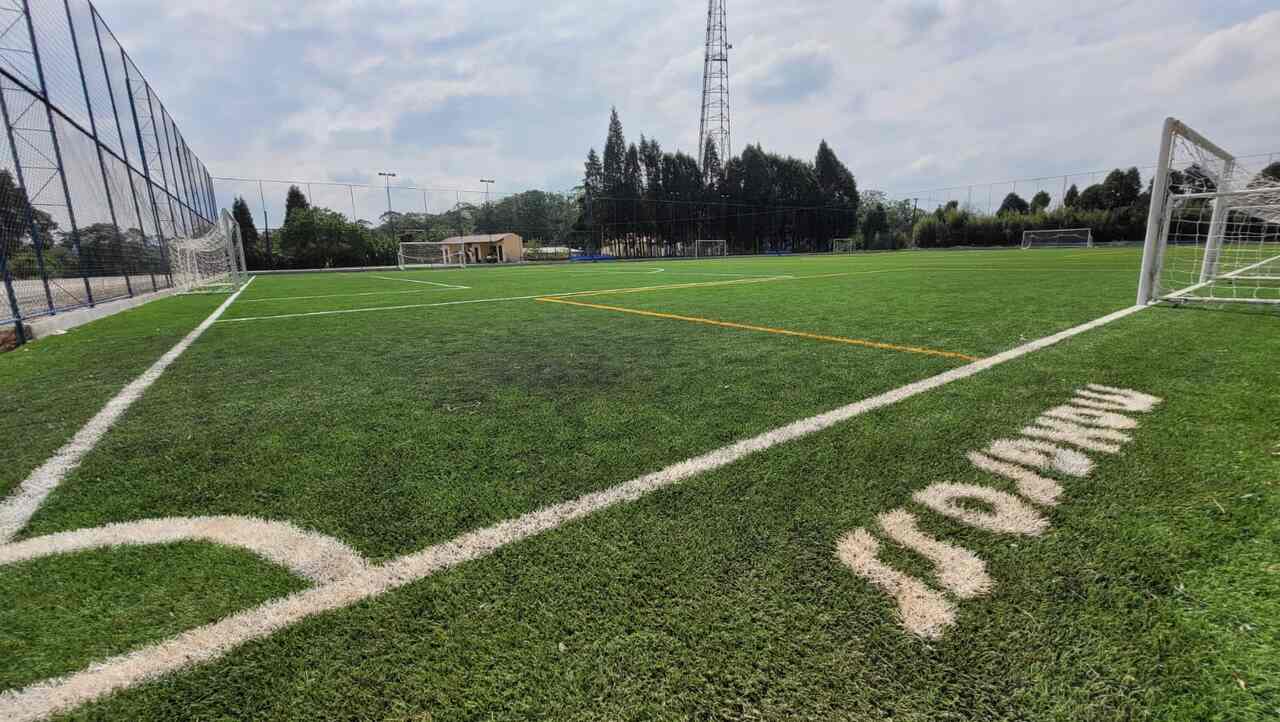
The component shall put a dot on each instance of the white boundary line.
(345, 295)
(425, 283)
(18, 508)
(214, 640)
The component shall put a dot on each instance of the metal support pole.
(97, 144)
(1156, 215)
(1217, 225)
(124, 149)
(30, 210)
(13, 299)
(142, 157)
(266, 222)
(351, 190)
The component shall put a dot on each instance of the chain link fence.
(95, 177)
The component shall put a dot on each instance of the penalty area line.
(425, 283)
(18, 509)
(768, 329)
(212, 641)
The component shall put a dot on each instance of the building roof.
(482, 238)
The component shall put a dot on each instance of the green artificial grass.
(1153, 596)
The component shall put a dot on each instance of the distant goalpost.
(212, 262)
(1213, 233)
(711, 249)
(430, 254)
(843, 245)
(1058, 238)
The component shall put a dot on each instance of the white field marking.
(503, 299)
(924, 611)
(212, 641)
(1042, 455)
(1038, 489)
(1106, 441)
(312, 556)
(642, 273)
(959, 570)
(1009, 514)
(18, 509)
(1110, 398)
(1092, 417)
(266, 299)
(425, 283)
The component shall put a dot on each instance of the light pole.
(488, 185)
(387, 180)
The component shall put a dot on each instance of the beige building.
(487, 248)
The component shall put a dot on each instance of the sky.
(911, 94)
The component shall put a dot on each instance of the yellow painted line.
(766, 329)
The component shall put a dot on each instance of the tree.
(1269, 176)
(632, 178)
(1121, 188)
(1040, 202)
(875, 222)
(294, 201)
(712, 169)
(615, 151)
(248, 233)
(17, 215)
(321, 238)
(1072, 197)
(1094, 198)
(1013, 204)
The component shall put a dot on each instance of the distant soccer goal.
(1213, 233)
(428, 254)
(843, 245)
(209, 263)
(711, 249)
(1058, 238)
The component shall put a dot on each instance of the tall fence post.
(97, 145)
(57, 148)
(31, 214)
(142, 156)
(124, 149)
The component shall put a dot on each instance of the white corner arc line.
(425, 283)
(214, 640)
(18, 509)
(316, 557)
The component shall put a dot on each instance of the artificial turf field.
(396, 411)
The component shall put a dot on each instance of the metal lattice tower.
(715, 85)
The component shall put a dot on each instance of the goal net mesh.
(1216, 236)
(712, 249)
(843, 245)
(415, 254)
(1058, 238)
(212, 262)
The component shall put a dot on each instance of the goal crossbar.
(1213, 229)
(1058, 237)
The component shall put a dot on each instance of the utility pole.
(387, 180)
(714, 125)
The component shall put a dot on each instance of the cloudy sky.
(912, 94)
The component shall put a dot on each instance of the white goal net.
(209, 263)
(843, 245)
(711, 249)
(1213, 234)
(1058, 238)
(428, 254)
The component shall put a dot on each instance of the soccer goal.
(428, 254)
(209, 263)
(843, 245)
(1213, 233)
(1058, 238)
(711, 249)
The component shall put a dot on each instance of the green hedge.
(956, 227)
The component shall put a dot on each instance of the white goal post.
(429, 254)
(212, 262)
(844, 245)
(711, 249)
(1213, 232)
(1058, 238)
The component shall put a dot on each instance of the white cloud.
(910, 93)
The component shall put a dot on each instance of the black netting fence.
(95, 178)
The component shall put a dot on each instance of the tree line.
(638, 200)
